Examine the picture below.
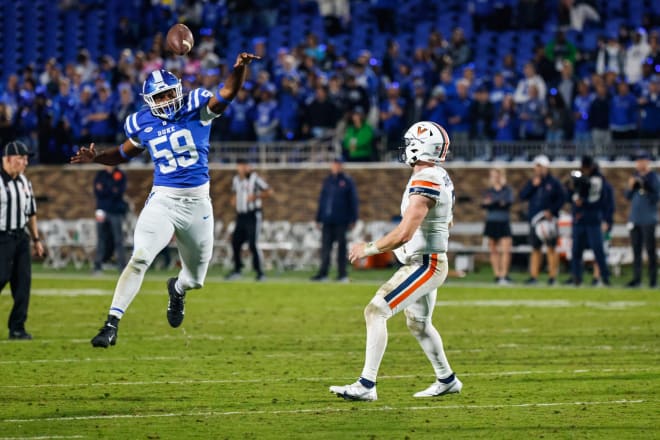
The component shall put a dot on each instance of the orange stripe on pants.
(417, 284)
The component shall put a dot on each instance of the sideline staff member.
(17, 209)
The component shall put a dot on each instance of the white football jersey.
(433, 234)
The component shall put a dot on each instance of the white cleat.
(355, 391)
(440, 389)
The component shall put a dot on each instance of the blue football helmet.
(160, 81)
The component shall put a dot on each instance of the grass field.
(255, 361)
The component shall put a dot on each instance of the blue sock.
(447, 380)
(367, 383)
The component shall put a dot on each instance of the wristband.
(371, 249)
(37, 239)
(220, 99)
(122, 153)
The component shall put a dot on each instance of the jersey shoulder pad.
(197, 99)
(136, 121)
(428, 182)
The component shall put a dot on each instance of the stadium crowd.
(313, 91)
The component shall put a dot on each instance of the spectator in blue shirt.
(581, 104)
(447, 83)
(643, 191)
(531, 115)
(458, 114)
(239, 114)
(392, 115)
(545, 196)
(650, 111)
(266, 121)
(623, 113)
(436, 108)
(337, 213)
(85, 109)
(101, 121)
(499, 90)
(506, 121)
(289, 108)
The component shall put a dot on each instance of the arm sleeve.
(426, 184)
(199, 99)
(132, 129)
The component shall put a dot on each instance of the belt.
(13, 232)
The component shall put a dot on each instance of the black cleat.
(107, 335)
(19, 335)
(176, 305)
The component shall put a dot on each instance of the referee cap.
(16, 148)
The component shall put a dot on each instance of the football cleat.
(107, 335)
(176, 304)
(355, 391)
(440, 389)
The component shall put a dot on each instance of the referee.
(248, 191)
(17, 209)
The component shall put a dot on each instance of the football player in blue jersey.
(175, 130)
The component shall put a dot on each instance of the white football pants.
(190, 219)
(413, 289)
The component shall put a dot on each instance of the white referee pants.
(190, 219)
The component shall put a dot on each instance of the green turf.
(255, 361)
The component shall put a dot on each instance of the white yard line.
(544, 303)
(529, 303)
(107, 360)
(317, 379)
(350, 408)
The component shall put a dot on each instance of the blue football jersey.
(179, 147)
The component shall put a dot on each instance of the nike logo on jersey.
(206, 216)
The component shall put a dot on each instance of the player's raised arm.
(219, 102)
(109, 156)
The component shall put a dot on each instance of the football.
(180, 39)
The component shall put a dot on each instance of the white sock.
(179, 287)
(376, 342)
(128, 286)
(431, 343)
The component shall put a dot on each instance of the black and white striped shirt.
(252, 184)
(16, 202)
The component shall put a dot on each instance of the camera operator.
(643, 192)
(589, 195)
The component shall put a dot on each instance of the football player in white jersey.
(420, 243)
(175, 129)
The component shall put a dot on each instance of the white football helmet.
(425, 141)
